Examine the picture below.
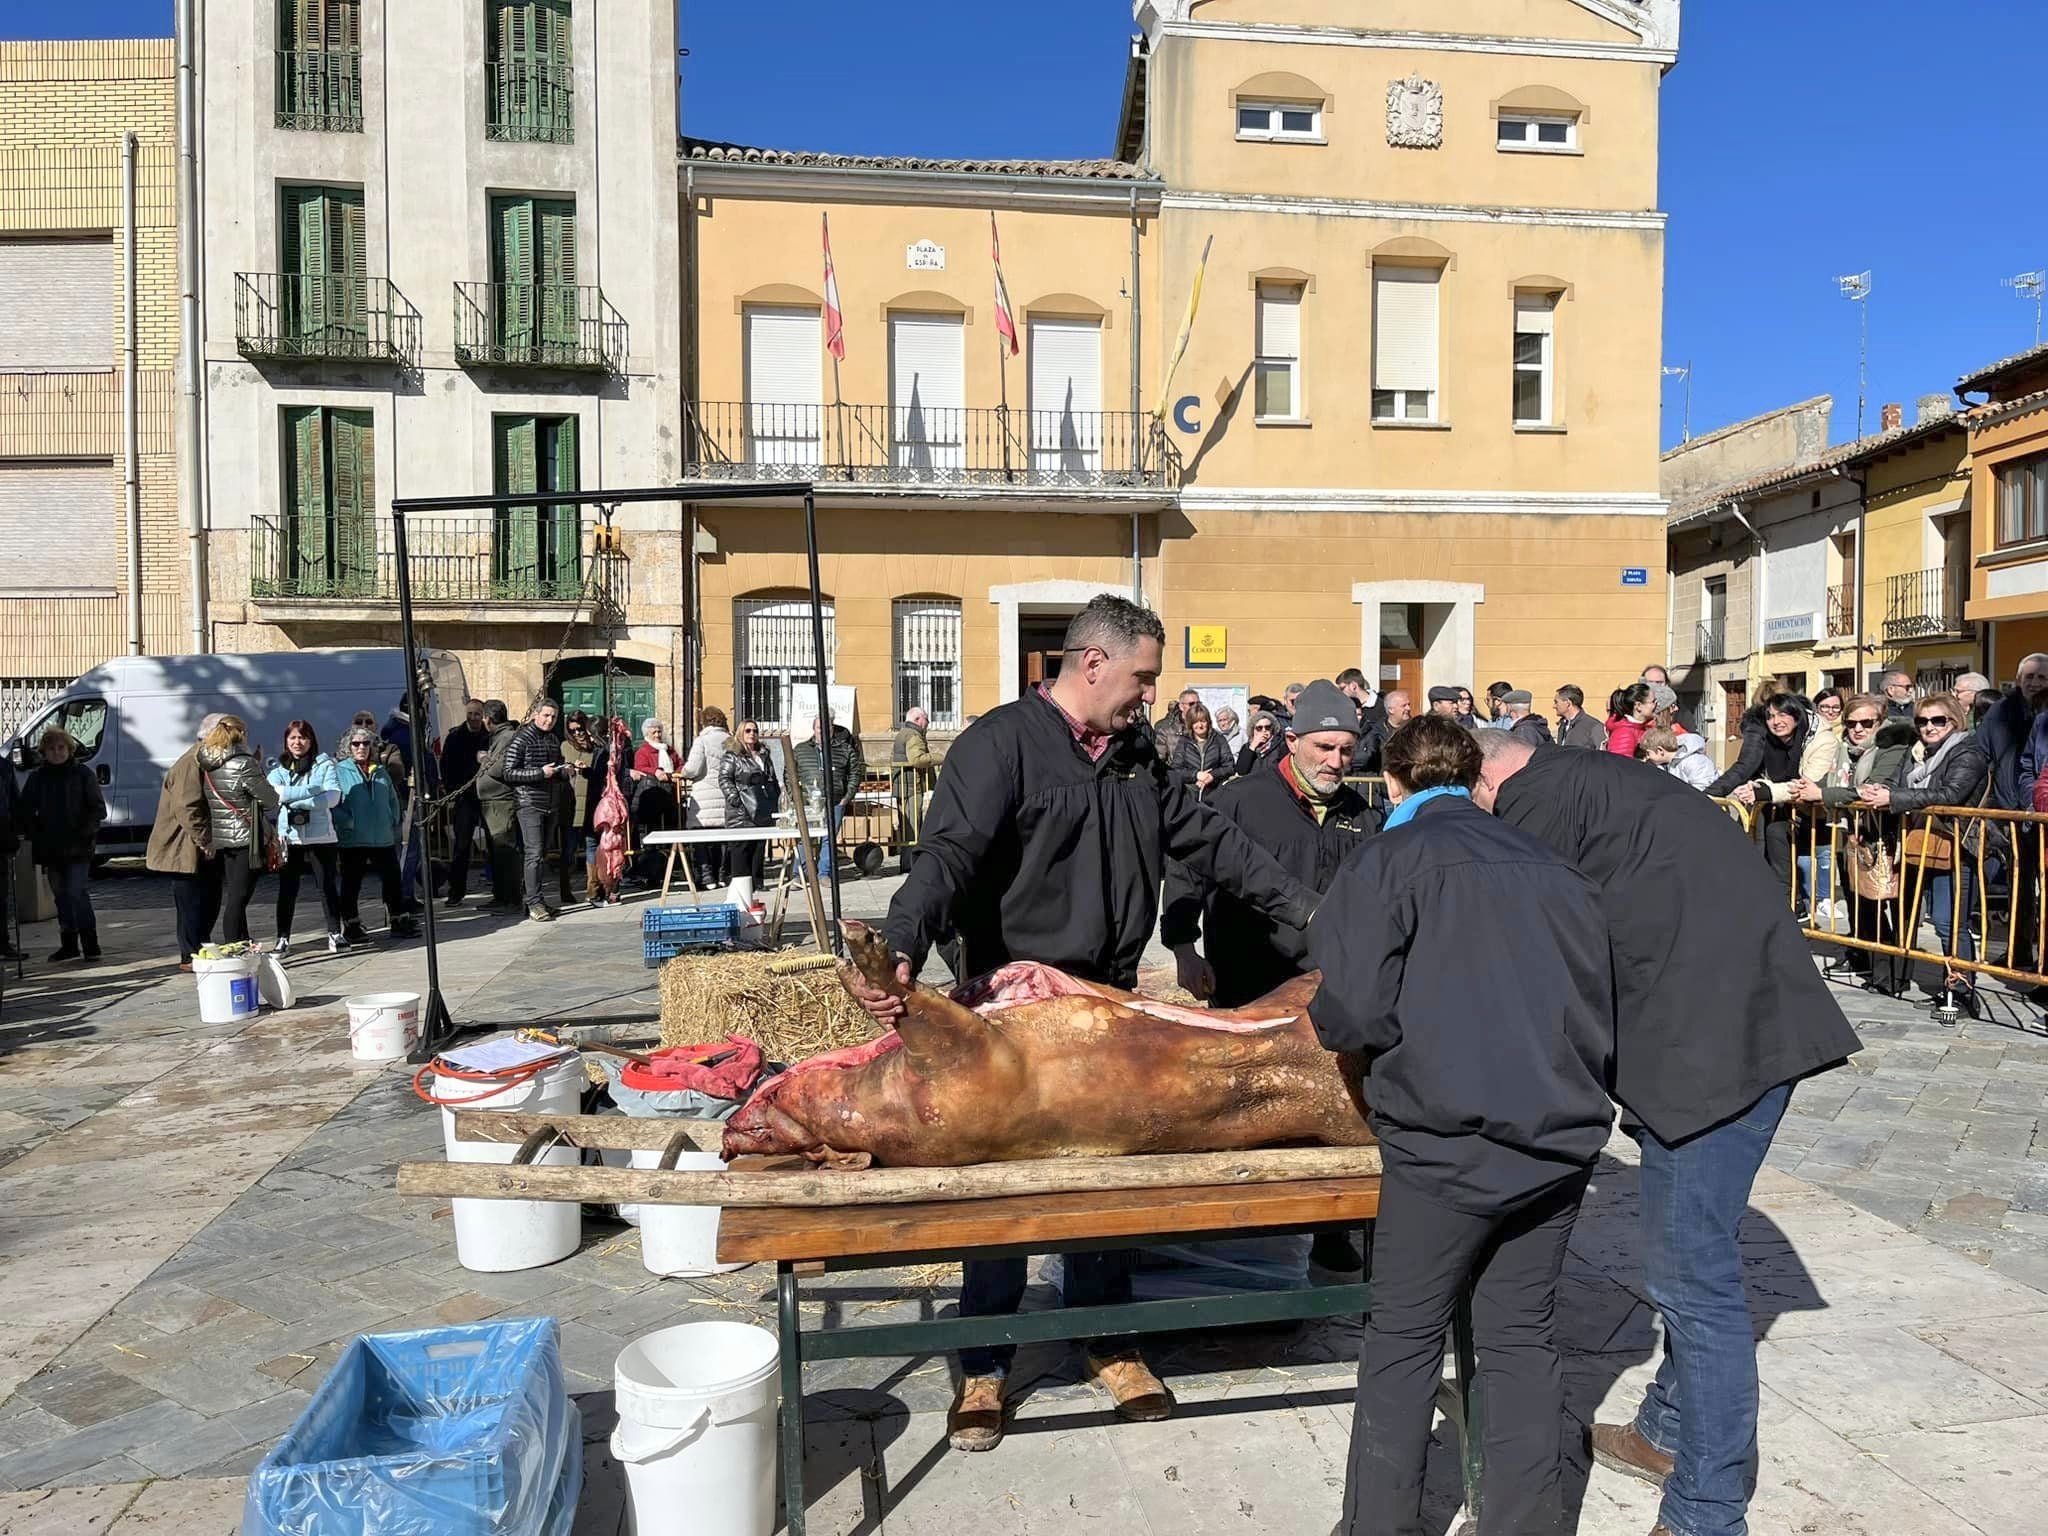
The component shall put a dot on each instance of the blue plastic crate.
(666, 932)
(445, 1432)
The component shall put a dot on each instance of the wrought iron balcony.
(337, 319)
(531, 103)
(1842, 609)
(945, 446)
(538, 325)
(320, 89)
(525, 556)
(1710, 641)
(1922, 605)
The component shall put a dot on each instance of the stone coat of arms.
(1415, 113)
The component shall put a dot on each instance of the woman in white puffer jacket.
(707, 800)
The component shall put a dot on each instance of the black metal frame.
(1458, 1398)
(437, 1027)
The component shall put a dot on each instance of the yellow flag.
(1187, 328)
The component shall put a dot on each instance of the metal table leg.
(788, 1327)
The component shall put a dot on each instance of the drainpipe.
(1756, 597)
(1137, 406)
(131, 399)
(190, 357)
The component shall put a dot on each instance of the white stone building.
(440, 259)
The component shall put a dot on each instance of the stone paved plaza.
(193, 1220)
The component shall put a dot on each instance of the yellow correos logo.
(1208, 645)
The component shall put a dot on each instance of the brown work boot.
(975, 1421)
(1137, 1394)
(1618, 1448)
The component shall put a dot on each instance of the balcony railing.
(1842, 609)
(538, 325)
(1923, 605)
(344, 319)
(320, 89)
(531, 103)
(518, 556)
(944, 446)
(1710, 641)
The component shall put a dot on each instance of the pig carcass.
(1028, 1062)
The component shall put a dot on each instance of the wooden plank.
(882, 1186)
(957, 1226)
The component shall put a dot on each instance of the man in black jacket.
(1047, 840)
(848, 769)
(533, 762)
(461, 751)
(1719, 1011)
(1576, 728)
(1532, 728)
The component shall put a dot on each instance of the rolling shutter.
(57, 302)
(928, 374)
(84, 501)
(1066, 395)
(785, 384)
(1404, 323)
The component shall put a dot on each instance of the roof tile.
(710, 151)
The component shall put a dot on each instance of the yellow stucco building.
(1414, 429)
(2009, 506)
(65, 111)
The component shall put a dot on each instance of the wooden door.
(1734, 700)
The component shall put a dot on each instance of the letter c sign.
(1184, 414)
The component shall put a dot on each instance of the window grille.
(776, 655)
(928, 659)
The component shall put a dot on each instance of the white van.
(134, 716)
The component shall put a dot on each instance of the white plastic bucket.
(740, 891)
(227, 988)
(497, 1235)
(679, 1240)
(696, 1430)
(383, 1026)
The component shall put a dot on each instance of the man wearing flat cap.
(1444, 701)
(1533, 729)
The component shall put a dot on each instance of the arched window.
(928, 659)
(774, 653)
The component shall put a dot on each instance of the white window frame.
(1405, 405)
(1273, 132)
(1543, 305)
(927, 651)
(1265, 361)
(789, 658)
(1531, 125)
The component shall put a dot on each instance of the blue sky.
(1800, 142)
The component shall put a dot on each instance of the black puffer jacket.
(1763, 756)
(61, 809)
(532, 750)
(1958, 778)
(1191, 757)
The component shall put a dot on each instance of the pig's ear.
(940, 1036)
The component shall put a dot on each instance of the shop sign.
(1208, 645)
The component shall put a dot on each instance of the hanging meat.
(612, 818)
(1029, 1062)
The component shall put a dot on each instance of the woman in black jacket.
(1764, 773)
(60, 808)
(1489, 1117)
(1202, 756)
(1948, 767)
(1259, 743)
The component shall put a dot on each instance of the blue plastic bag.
(446, 1432)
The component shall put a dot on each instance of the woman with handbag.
(239, 800)
(1873, 746)
(1948, 767)
(307, 793)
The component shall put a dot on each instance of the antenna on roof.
(1683, 371)
(2029, 285)
(1856, 289)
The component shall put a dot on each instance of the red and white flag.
(835, 325)
(1006, 322)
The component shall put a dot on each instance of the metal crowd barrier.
(1875, 875)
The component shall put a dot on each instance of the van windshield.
(83, 720)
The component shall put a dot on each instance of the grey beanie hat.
(1663, 696)
(1322, 708)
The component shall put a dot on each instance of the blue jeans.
(71, 886)
(1701, 1410)
(828, 840)
(1815, 874)
(995, 1288)
(1941, 911)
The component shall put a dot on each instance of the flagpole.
(1003, 410)
(835, 343)
(1006, 341)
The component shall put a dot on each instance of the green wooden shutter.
(354, 482)
(303, 226)
(512, 273)
(516, 548)
(555, 103)
(557, 274)
(302, 560)
(347, 300)
(343, 37)
(565, 565)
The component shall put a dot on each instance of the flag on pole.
(1187, 327)
(835, 326)
(1006, 322)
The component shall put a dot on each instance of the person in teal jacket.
(366, 824)
(308, 790)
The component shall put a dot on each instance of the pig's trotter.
(870, 956)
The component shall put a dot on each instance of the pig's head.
(817, 1109)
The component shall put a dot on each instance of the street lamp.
(1856, 289)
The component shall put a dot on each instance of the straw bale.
(708, 996)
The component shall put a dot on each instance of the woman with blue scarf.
(1490, 1103)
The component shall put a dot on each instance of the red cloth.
(682, 1067)
(1622, 736)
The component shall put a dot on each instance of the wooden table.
(810, 1240)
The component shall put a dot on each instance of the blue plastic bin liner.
(445, 1432)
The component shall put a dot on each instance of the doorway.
(1734, 703)
(1403, 635)
(1041, 643)
(580, 684)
